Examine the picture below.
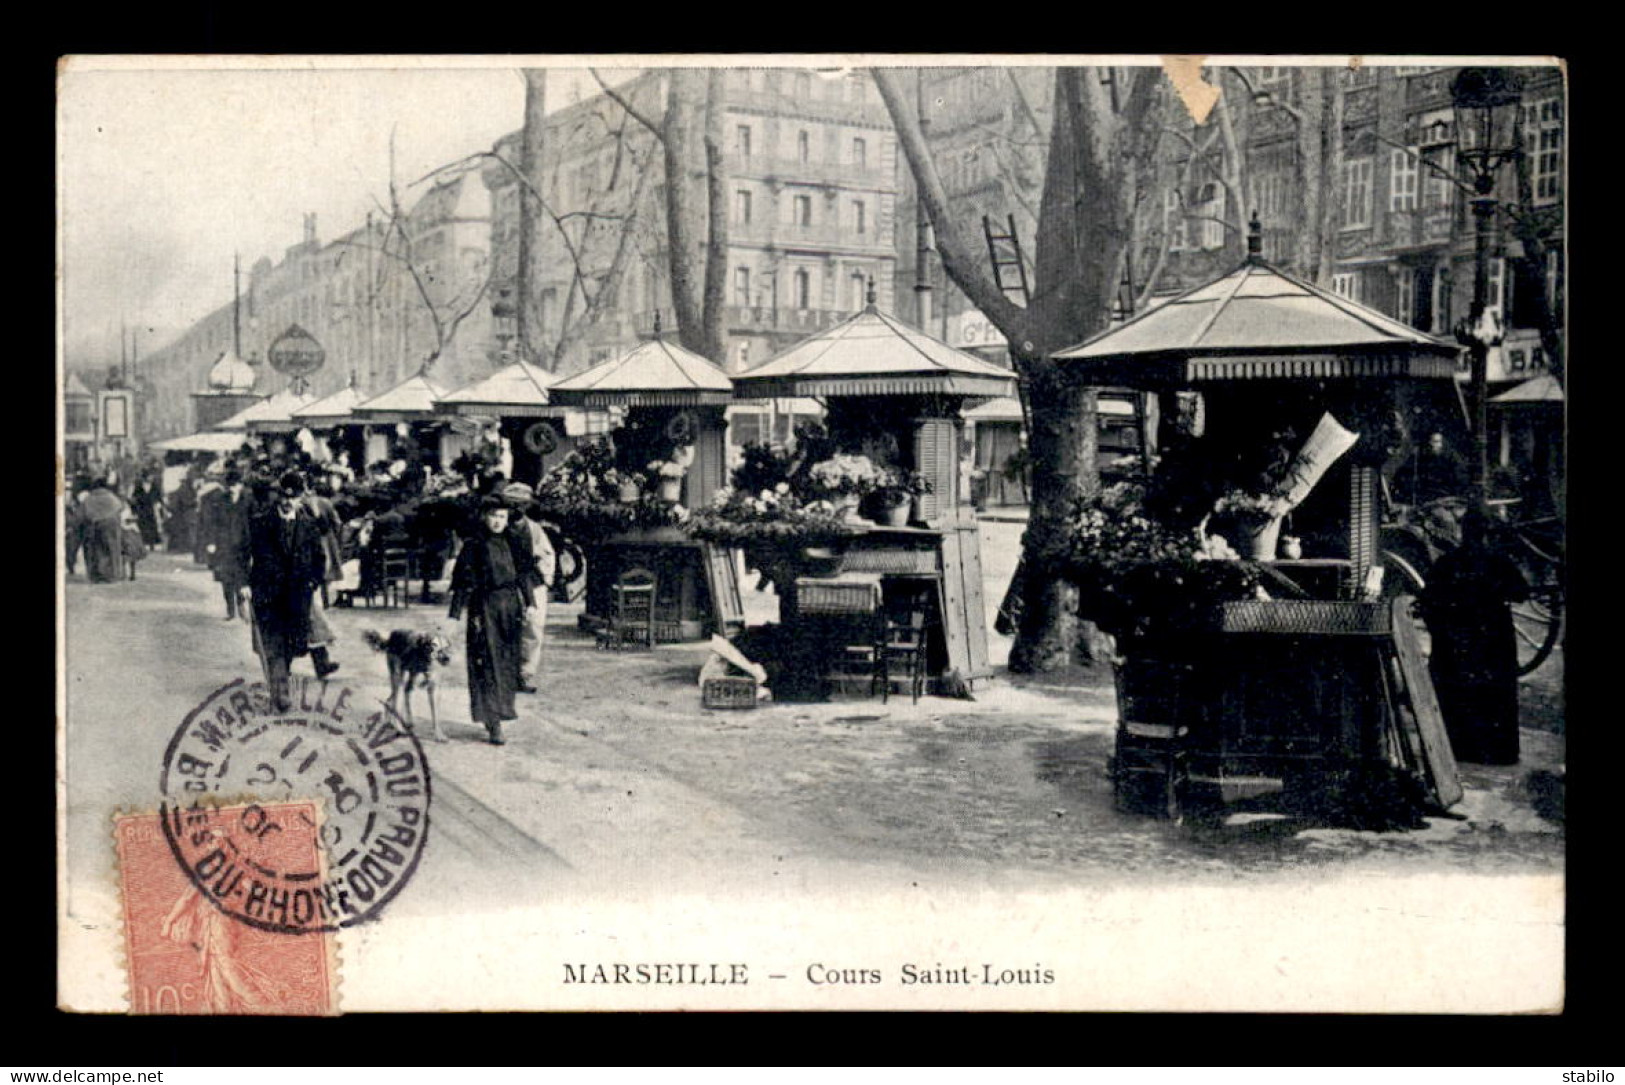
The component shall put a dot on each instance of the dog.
(412, 657)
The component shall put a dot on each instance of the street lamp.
(1486, 102)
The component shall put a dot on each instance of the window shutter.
(936, 456)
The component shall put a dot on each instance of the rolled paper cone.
(1329, 441)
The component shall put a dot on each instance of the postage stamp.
(367, 770)
(186, 952)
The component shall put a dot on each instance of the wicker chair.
(632, 614)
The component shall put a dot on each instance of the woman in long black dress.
(489, 582)
(145, 502)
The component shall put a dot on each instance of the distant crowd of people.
(287, 537)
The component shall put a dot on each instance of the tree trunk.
(686, 202)
(713, 326)
(527, 292)
(1310, 175)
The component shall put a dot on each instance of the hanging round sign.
(682, 428)
(296, 353)
(541, 438)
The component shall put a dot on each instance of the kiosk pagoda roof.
(331, 410)
(412, 400)
(270, 414)
(520, 390)
(1257, 323)
(207, 441)
(1538, 391)
(873, 354)
(655, 374)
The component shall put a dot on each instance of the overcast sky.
(164, 174)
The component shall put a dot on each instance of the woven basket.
(1306, 617)
(728, 693)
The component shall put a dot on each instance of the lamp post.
(1486, 102)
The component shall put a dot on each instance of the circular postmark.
(307, 820)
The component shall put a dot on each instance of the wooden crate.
(728, 692)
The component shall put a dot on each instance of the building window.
(1543, 139)
(1497, 280)
(803, 147)
(742, 141)
(1208, 216)
(860, 152)
(1442, 298)
(803, 210)
(1174, 220)
(742, 286)
(860, 222)
(802, 284)
(1402, 180)
(1405, 295)
(860, 290)
(742, 207)
(1356, 193)
(742, 361)
(1346, 284)
(1437, 189)
(1276, 82)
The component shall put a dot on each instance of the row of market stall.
(1274, 661)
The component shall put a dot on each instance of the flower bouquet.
(844, 479)
(895, 495)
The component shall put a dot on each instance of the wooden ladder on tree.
(1004, 252)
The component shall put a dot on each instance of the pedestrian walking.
(1474, 658)
(183, 515)
(228, 514)
(103, 534)
(73, 527)
(322, 638)
(490, 584)
(207, 494)
(134, 547)
(286, 566)
(146, 501)
(542, 566)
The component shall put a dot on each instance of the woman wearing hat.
(103, 533)
(490, 582)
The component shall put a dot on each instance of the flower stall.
(401, 424)
(332, 417)
(511, 410)
(1258, 650)
(624, 496)
(874, 497)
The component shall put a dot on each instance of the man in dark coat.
(286, 566)
(490, 582)
(145, 502)
(1474, 661)
(224, 515)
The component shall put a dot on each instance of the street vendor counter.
(696, 583)
(1279, 692)
(881, 570)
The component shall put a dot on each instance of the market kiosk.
(671, 402)
(898, 395)
(1322, 684)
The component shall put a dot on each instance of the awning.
(1538, 391)
(520, 390)
(211, 441)
(272, 414)
(873, 353)
(330, 411)
(1259, 324)
(412, 400)
(654, 374)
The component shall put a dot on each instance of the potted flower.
(1257, 518)
(844, 479)
(896, 495)
(668, 477)
(628, 486)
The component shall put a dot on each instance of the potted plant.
(668, 478)
(844, 479)
(628, 486)
(895, 497)
(1257, 518)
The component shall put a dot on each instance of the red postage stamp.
(187, 951)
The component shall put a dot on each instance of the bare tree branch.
(631, 111)
(959, 259)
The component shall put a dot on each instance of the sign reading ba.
(296, 353)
